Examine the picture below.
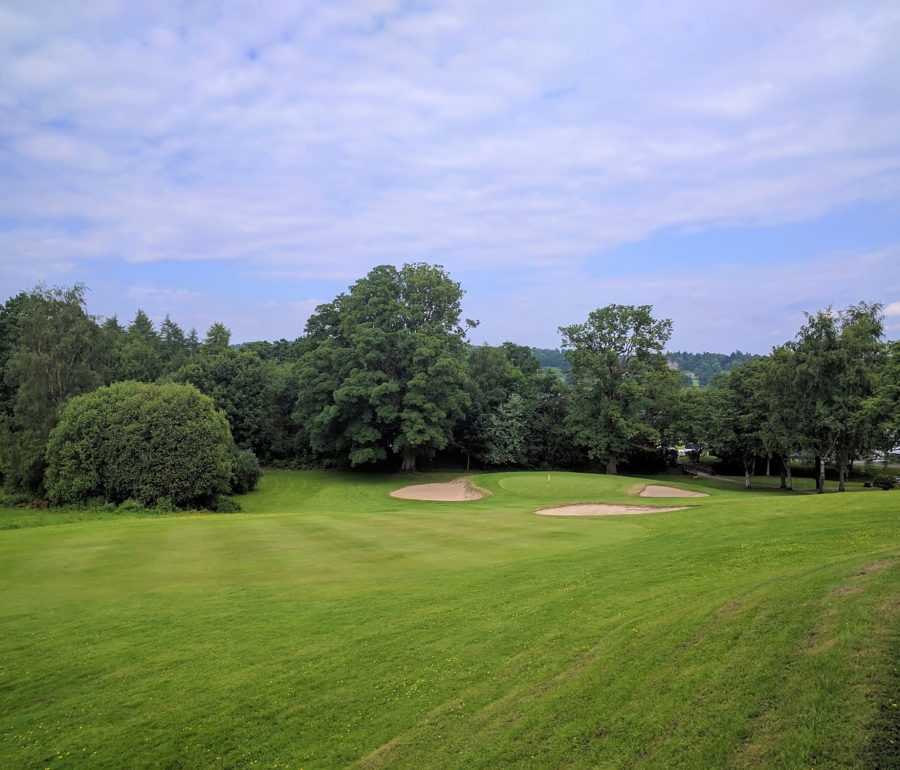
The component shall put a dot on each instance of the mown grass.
(334, 626)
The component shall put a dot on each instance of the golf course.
(333, 625)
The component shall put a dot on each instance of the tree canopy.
(384, 374)
(150, 443)
(385, 371)
(614, 356)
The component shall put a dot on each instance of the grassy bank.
(331, 626)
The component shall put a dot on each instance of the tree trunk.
(748, 469)
(787, 471)
(768, 465)
(409, 461)
(842, 470)
(611, 466)
(783, 471)
(817, 471)
(820, 483)
(468, 460)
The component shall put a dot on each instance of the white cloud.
(720, 308)
(323, 139)
(892, 309)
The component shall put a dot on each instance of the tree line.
(384, 377)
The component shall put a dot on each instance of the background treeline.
(702, 367)
(384, 378)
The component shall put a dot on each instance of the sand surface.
(603, 509)
(658, 490)
(454, 491)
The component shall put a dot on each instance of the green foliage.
(57, 351)
(522, 358)
(139, 351)
(885, 482)
(10, 316)
(245, 472)
(237, 382)
(508, 433)
(14, 500)
(735, 415)
(384, 372)
(705, 366)
(224, 504)
(621, 380)
(142, 442)
(218, 338)
(831, 379)
(551, 357)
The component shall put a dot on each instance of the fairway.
(332, 625)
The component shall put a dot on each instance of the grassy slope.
(333, 625)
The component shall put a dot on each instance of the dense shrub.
(245, 472)
(15, 499)
(224, 504)
(883, 481)
(140, 442)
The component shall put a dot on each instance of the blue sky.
(732, 164)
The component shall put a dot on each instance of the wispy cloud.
(332, 137)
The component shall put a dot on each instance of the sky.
(732, 164)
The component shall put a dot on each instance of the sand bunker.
(454, 491)
(657, 490)
(603, 509)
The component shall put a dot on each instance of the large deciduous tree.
(385, 370)
(59, 351)
(736, 412)
(619, 368)
(832, 378)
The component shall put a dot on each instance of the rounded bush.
(141, 442)
(245, 471)
(883, 481)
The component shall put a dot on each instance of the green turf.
(332, 626)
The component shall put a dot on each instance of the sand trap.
(603, 509)
(657, 490)
(454, 491)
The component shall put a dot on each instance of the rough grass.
(334, 626)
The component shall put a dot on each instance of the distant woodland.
(384, 378)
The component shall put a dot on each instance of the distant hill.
(699, 367)
(551, 357)
(705, 366)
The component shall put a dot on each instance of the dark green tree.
(736, 411)
(218, 338)
(385, 372)
(614, 356)
(173, 345)
(59, 352)
(139, 351)
(508, 433)
(238, 383)
(492, 378)
(833, 376)
(522, 358)
(10, 316)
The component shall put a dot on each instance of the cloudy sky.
(732, 164)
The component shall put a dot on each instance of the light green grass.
(334, 626)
